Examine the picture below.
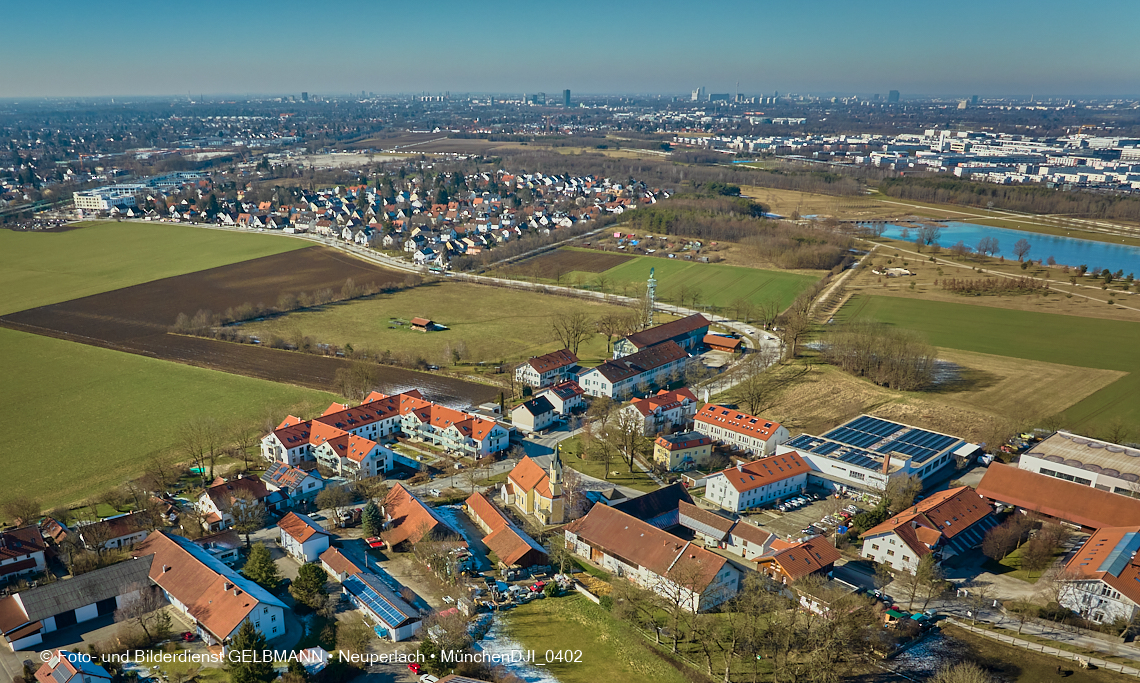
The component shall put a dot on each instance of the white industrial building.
(1086, 461)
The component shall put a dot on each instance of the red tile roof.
(719, 342)
(765, 471)
(680, 442)
(19, 542)
(663, 400)
(943, 515)
(300, 528)
(1086, 563)
(801, 559)
(736, 421)
(552, 361)
(339, 563)
(528, 476)
(1057, 498)
(409, 518)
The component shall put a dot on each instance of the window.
(874, 546)
(273, 618)
(891, 553)
(906, 559)
(265, 610)
(275, 629)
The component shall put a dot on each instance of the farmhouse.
(407, 518)
(1086, 461)
(665, 409)
(21, 552)
(864, 452)
(301, 538)
(678, 570)
(535, 491)
(548, 369)
(945, 524)
(728, 425)
(27, 615)
(748, 485)
(566, 397)
(787, 565)
(510, 544)
(533, 415)
(214, 597)
(1102, 579)
(640, 371)
(687, 333)
(682, 451)
(216, 501)
(1088, 507)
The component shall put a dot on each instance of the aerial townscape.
(631, 357)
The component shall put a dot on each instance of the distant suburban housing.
(302, 538)
(687, 333)
(946, 524)
(748, 485)
(682, 451)
(548, 369)
(638, 372)
(752, 434)
(679, 570)
(665, 409)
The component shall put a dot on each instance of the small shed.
(422, 325)
(721, 343)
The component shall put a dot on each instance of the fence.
(1049, 650)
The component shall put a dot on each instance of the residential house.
(752, 434)
(638, 372)
(945, 524)
(452, 429)
(682, 451)
(756, 483)
(1101, 581)
(338, 565)
(533, 415)
(113, 533)
(302, 538)
(213, 596)
(21, 552)
(27, 615)
(548, 369)
(789, 564)
(409, 519)
(682, 572)
(511, 545)
(686, 332)
(536, 491)
(300, 486)
(354, 457)
(216, 501)
(664, 410)
(62, 666)
(566, 397)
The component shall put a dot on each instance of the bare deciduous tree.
(571, 329)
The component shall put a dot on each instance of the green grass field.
(43, 268)
(610, 650)
(82, 419)
(1068, 340)
(492, 322)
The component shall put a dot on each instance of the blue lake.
(1066, 250)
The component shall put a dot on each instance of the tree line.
(992, 285)
(1028, 198)
(890, 357)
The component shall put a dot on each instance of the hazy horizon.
(127, 48)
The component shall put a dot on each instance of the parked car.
(852, 509)
(806, 531)
(435, 492)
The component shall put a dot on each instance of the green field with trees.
(43, 268)
(1111, 413)
(84, 419)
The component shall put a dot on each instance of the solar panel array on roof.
(826, 447)
(1122, 554)
(805, 441)
(884, 436)
(379, 606)
(919, 444)
(859, 459)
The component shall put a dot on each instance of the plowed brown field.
(136, 320)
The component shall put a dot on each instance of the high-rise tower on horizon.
(566, 98)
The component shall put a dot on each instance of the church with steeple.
(537, 491)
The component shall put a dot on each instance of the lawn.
(572, 447)
(493, 323)
(83, 419)
(719, 285)
(1052, 338)
(43, 268)
(610, 650)
(1010, 566)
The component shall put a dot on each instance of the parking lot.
(794, 523)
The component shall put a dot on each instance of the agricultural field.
(553, 264)
(718, 285)
(1044, 337)
(43, 268)
(136, 319)
(490, 323)
(88, 418)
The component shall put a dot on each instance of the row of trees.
(993, 285)
(888, 356)
(1028, 198)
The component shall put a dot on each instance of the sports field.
(83, 419)
(49, 267)
(493, 323)
(1052, 338)
(719, 285)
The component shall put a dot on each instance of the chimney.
(227, 585)
(165, 568)
(739, 467)
(886, 463)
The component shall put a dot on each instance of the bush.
(607, 603)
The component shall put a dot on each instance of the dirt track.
(136, 319)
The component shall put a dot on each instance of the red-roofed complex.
(1086, 506)
(753, 434)
(548, 369)
(512, 545)
(748, 485)
(797, 561)
(946, 523)
(673, 409)
(679, 570)
(686, 333)
(1102, 579)
(566, 397)
(636, 373)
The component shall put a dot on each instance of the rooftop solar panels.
(802, 441)
(858, 459)
(880, 436)
(378, 604)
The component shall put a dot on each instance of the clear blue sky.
(966, 47)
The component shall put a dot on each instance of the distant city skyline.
(1009, 49)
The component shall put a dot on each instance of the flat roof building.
(1086, 461)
